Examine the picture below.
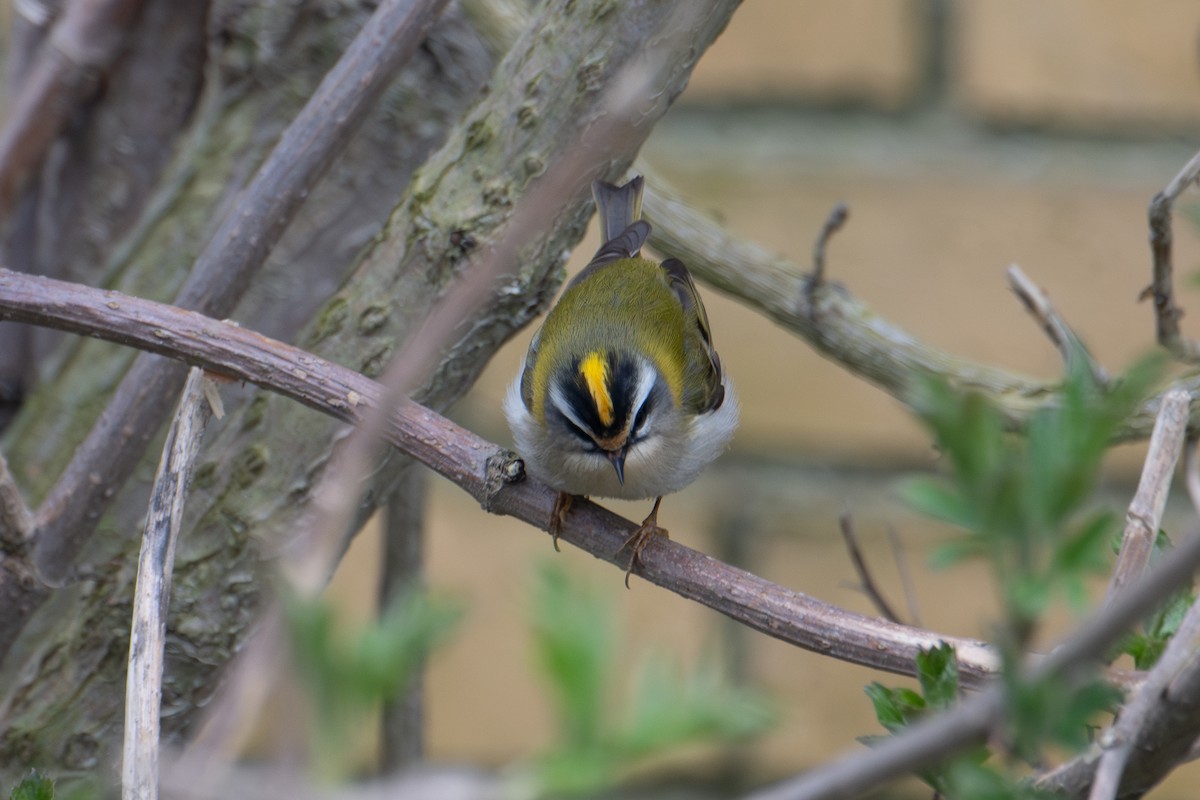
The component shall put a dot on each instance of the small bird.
(622, 394)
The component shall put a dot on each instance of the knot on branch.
(503, 467)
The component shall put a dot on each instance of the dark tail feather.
(617, 206)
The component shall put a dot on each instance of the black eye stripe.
(577, 431)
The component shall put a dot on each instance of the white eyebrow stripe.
(645, 385)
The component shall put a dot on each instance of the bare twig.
(967, 725)
(489, 473)
(1144, 516)
(1061, 334)
(1161, 289)
(83, 44)
(221, 274)
(143, 686)
(833, 223)
(866, 581)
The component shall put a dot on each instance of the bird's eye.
(639, 421)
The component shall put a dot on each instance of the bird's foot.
(562, 504)
(641, 537)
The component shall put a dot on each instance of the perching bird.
(622, 394)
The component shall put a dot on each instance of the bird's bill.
(617, 457)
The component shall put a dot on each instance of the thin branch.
(1161, 289)
(491, 474)
(866, 581)
(967, 725)
(901, 558)
(106, 458)
(147, 636)
(83, 44)
(1038, 304)
(839, 325)
(1144, 516)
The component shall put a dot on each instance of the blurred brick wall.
(1087, 66)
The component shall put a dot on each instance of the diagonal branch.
(1146, 509)
(1161, 289)
(1055, 327)
(866, 581)
(840, 326)
(492, 475)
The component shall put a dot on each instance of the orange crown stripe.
(594, 369)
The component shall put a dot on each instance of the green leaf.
(937, 498)
(1166, 621)
(1055, 711)
(968, 778)
(573, 642)
(34, 786)
(1028, 596)
(1147, 647)
(670, 709)
(965, 426)
(347, 674)
(1084, 704)
(575, 771)
(950, 553)
(1084, 550)
(895, 708)
(937, 671)
(1145, 652)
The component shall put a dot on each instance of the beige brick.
(1081, 63)
(843, 51)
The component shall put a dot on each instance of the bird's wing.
(701, 355)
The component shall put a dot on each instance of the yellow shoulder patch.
(594, 369)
